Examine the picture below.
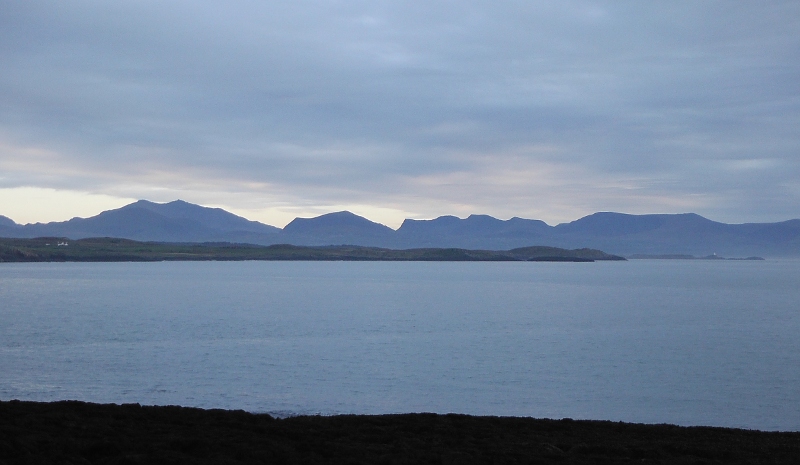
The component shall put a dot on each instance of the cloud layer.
(407, 109)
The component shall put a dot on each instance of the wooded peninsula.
(54, 249)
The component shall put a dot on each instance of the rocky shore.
(78, 432)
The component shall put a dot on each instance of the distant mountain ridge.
(475, 231)
(176, 221)
(616, 233)
(337, 229)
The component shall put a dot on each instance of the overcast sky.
(401, 109)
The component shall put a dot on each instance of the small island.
(686, 257)
(59, 249)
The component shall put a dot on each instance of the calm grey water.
(686, 342)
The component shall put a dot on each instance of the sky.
(401, 109)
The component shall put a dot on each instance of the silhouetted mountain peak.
(484, 224)
(487, 218)
(212, 218)
(142, 204)
(475, 231)
(619, 233)
(517, 220)
(338, 228)
(620, 224)
(483, 221)
(176, 221)
(338, 221)
(410, 225)
(6, 221)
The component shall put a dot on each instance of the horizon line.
(389, 227)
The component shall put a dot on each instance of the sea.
(687, 342)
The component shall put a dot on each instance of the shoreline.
(81, 432)
(49, 249)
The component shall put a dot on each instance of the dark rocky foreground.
(81, 433)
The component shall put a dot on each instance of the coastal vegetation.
(54, 249)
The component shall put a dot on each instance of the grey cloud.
(343, 99)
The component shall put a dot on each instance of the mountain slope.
(176, 221)
(7, 222)
(211, 218)
(686, 233)
(474, 232)
(340, 228)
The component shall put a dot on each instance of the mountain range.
(617, 233)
